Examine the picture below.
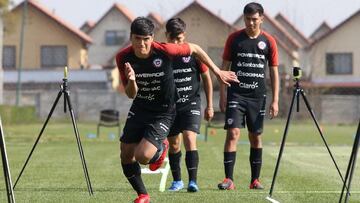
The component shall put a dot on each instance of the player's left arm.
(274, 77)
(274, 106)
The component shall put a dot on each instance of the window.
(53, 56)
(9, 57)
(115, 37)
(339, 63)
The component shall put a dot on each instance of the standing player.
(187, 72)
(248, 52)
(146, 72)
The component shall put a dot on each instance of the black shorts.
(153, 126)
(249, 111)
(188, 118)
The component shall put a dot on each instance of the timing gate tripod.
(63, 90)
(296, 94)
(6, 168)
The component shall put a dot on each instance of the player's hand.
(226, 77)
(273, 110)
(129, 72)
(208, 113)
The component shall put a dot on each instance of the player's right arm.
(131, 87)
(222, 101)
(127, 74)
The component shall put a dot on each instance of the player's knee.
(233, 134)
(142, 157)
(174, 147)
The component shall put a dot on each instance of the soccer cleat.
(227, 184)
(256, 185)
(176, 186)
(142, 198)
(157, 164)
(192, 187)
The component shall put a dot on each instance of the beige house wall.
(99, 52)
(343, 40)
(42, 30)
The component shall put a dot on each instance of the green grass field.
(54, 173)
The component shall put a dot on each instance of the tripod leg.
(38, 138)
(87, 178)
(6, 168)
(321, 134)
(351, 166)
(295, 94)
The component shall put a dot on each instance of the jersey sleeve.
(173, 49)
(273, 52)
(120, 64)
(201, 66)
(227, 49)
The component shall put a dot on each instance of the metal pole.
(21, 50)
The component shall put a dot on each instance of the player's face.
(141, 44)
(180, 39)
(253, 22)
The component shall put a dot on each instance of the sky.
(306, 15)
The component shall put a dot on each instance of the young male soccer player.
(248, 52)
(187, 72)
(146, 72)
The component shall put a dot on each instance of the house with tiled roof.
(320, 31)
(156, 18)
(292, 30)
(88, 25)
(204, 28)
(335, 55)
(288, 46)
(49, 42)
(109, 34)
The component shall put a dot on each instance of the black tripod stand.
(351, 166)
(63, 90)
(296, 94)
(6, 168)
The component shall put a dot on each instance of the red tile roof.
(156, 17)
(280, 15)
(58, 20)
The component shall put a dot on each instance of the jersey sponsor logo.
(149, 97)
(254, 85)
(186, 59)
(249, 75)
(180, 80)
(251, 55)
(185, 70)
(157, 63)
(230, 121)
(250, 65)
(261, 45)
(148, 89)
(184, 89)
(183, 99)
(150, 75)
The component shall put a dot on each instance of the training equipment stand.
(296, 94)
(351, 166)
(63, 90)
(6, 168)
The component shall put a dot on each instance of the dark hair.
(175, 26)
(252, 8)
(142, 26)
